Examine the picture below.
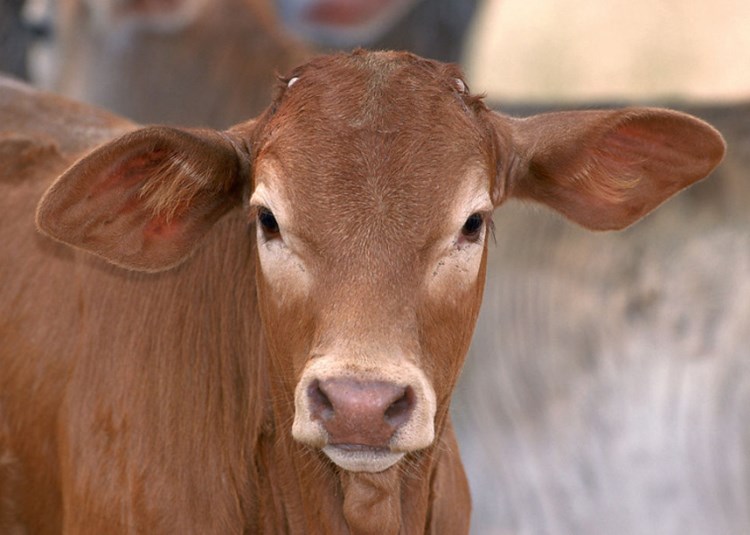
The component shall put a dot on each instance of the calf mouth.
(361, 458)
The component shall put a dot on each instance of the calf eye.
(473, 227)
(268, 222)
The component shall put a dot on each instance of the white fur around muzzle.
(417, 433)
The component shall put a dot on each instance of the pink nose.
(364, 413)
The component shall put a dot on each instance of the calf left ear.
(144, 200)
(606, 169)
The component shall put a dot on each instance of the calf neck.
(259, 329)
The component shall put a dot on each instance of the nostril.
(399, 411)
(320, 406)
(364, 413)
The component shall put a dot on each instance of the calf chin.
(365, 416)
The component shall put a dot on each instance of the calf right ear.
(143, 201)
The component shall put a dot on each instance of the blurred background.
(608, 387)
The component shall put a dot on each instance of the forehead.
(373, 88)
(384, 136)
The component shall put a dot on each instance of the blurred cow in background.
(178, 62)
(213, 62)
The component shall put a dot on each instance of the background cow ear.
(144, 200)
(607, 169)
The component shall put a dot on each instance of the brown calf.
(270, 336)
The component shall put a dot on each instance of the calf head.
(370, 183)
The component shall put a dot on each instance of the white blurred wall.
(575, 50)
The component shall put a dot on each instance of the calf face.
(375, 252)
(369, 186)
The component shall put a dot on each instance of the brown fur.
(159, 398)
